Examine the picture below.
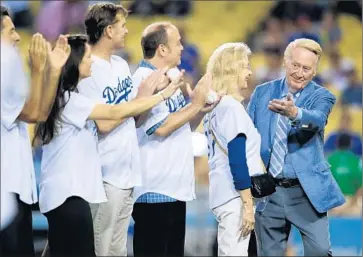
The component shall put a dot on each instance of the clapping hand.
(155, 82)
(201, 90)
(199, 95)
(38, 53)
(59, 56)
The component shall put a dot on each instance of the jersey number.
(211, 145)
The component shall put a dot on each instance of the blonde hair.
(225, 63)
(308, 44)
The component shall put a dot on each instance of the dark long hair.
(4, 12)
(67, 83)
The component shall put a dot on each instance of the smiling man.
(8, 32)
(111, 83)
(291, 114)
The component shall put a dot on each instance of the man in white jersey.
(21, 105)
(165, 141)
(111, 83)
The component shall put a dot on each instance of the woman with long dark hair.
(70, 170)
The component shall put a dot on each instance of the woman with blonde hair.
(234, 150)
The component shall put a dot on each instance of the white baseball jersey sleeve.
(83, 107)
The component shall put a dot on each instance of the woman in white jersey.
(70, 169)
(234, 150)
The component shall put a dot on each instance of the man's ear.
(162, 50)
(108, 31)
(315, 70)
(284, 63)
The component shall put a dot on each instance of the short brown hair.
(154, 35)
(99, 16)
(4, 12)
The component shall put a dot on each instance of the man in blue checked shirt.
(290, 115)
(165, 140)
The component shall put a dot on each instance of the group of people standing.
(117, 145)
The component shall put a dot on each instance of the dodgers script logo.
(120, 93)
(176, 102)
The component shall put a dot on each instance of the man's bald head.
(154, 35)
(156, 26)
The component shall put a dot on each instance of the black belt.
(287, 182)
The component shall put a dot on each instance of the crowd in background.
(309, 19)
(287, 21)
